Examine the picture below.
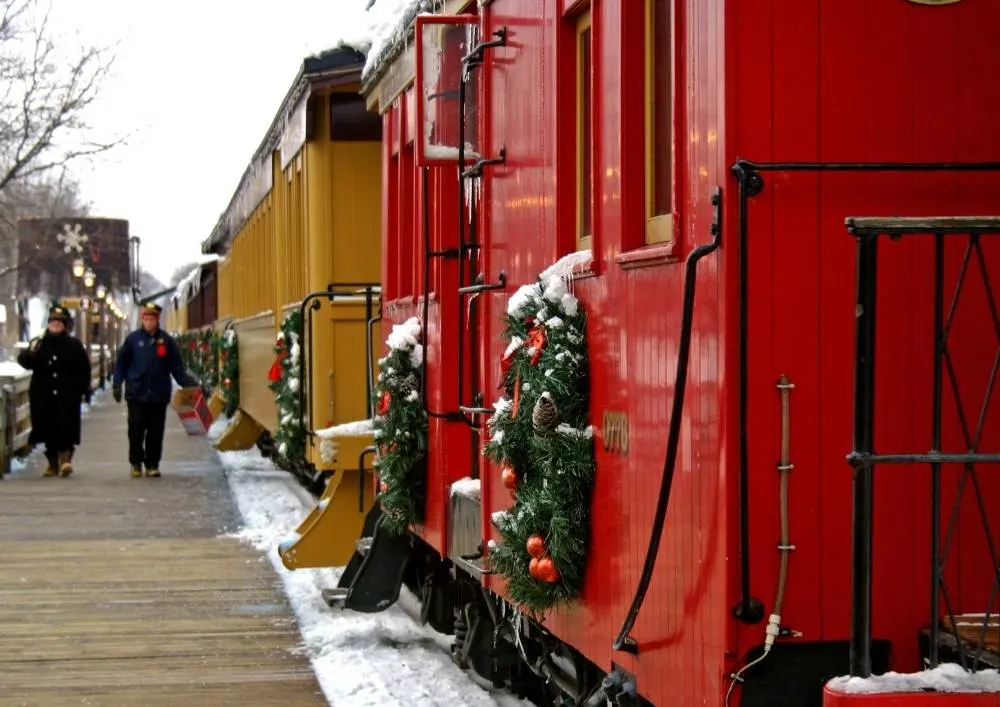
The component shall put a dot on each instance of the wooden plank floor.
(117, 591)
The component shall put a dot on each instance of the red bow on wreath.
(274, 375)
(384, 402)
(536, 343)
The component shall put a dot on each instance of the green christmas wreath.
(540, 437)
(229, 371)
(208, 360)
(400, 428)
(284, 383)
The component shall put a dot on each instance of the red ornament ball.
(547, 571)
(536, 546)
(508, 476)
(533, 568)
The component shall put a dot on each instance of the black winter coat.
(60, 381)
(145, 363)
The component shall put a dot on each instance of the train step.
(373, 578)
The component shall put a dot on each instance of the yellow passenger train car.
(298, 299)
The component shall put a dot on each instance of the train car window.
(350, 121)
(584, 134)
(659, 122)
(441, 43)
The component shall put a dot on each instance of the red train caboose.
(723, 538)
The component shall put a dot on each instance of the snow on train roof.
(389, 25)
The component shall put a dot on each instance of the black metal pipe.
(306, 385)
(864, 433)
(624, 641)
(461, 238)
(859, 458)
(425, 202)
(751, 166)
(936, 448)
(428, 254)
(371, 449)
(471, 248)
(750, 610)
(332, 292)
(370, 349)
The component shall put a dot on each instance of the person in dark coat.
(60, 381)
(146, 361)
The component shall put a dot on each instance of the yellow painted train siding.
(305, 218)
(320, 224)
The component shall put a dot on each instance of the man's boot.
(52, 466)
(136, 472)
(152, 473)
(66, 463)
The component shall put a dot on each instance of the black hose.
(624, 642)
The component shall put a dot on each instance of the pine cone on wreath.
(545, 416)
(408, 385)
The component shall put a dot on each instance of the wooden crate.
(969, 628)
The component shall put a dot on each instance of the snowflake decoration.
(72, 238)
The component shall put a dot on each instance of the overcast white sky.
(198, 81)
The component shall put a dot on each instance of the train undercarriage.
(501, 646)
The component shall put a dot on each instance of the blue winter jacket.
(146, 363)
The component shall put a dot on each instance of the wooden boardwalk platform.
(117, 591)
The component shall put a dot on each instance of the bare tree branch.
(46, 95)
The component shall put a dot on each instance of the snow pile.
(554, 281)
(948, 677)
(358, 428)
(10, 369)
(360, 659)
(468, 487)
(328, 446)
(407, 335)
(218, 428)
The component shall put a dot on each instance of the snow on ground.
(947, 677)
(362, 660)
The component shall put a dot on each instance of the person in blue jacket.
(146, 361)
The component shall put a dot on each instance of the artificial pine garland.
(200, 354)
(400, 428)
(208, 371)
(540, 437)
(229, 371)
(284, 383)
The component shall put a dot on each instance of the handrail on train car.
(750, 184)
(370, 449)
(313, 300)
(863, 458)
(447, 254)
(473, 60)
(624, 641)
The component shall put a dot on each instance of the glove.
(116, 393)
(35, 343)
